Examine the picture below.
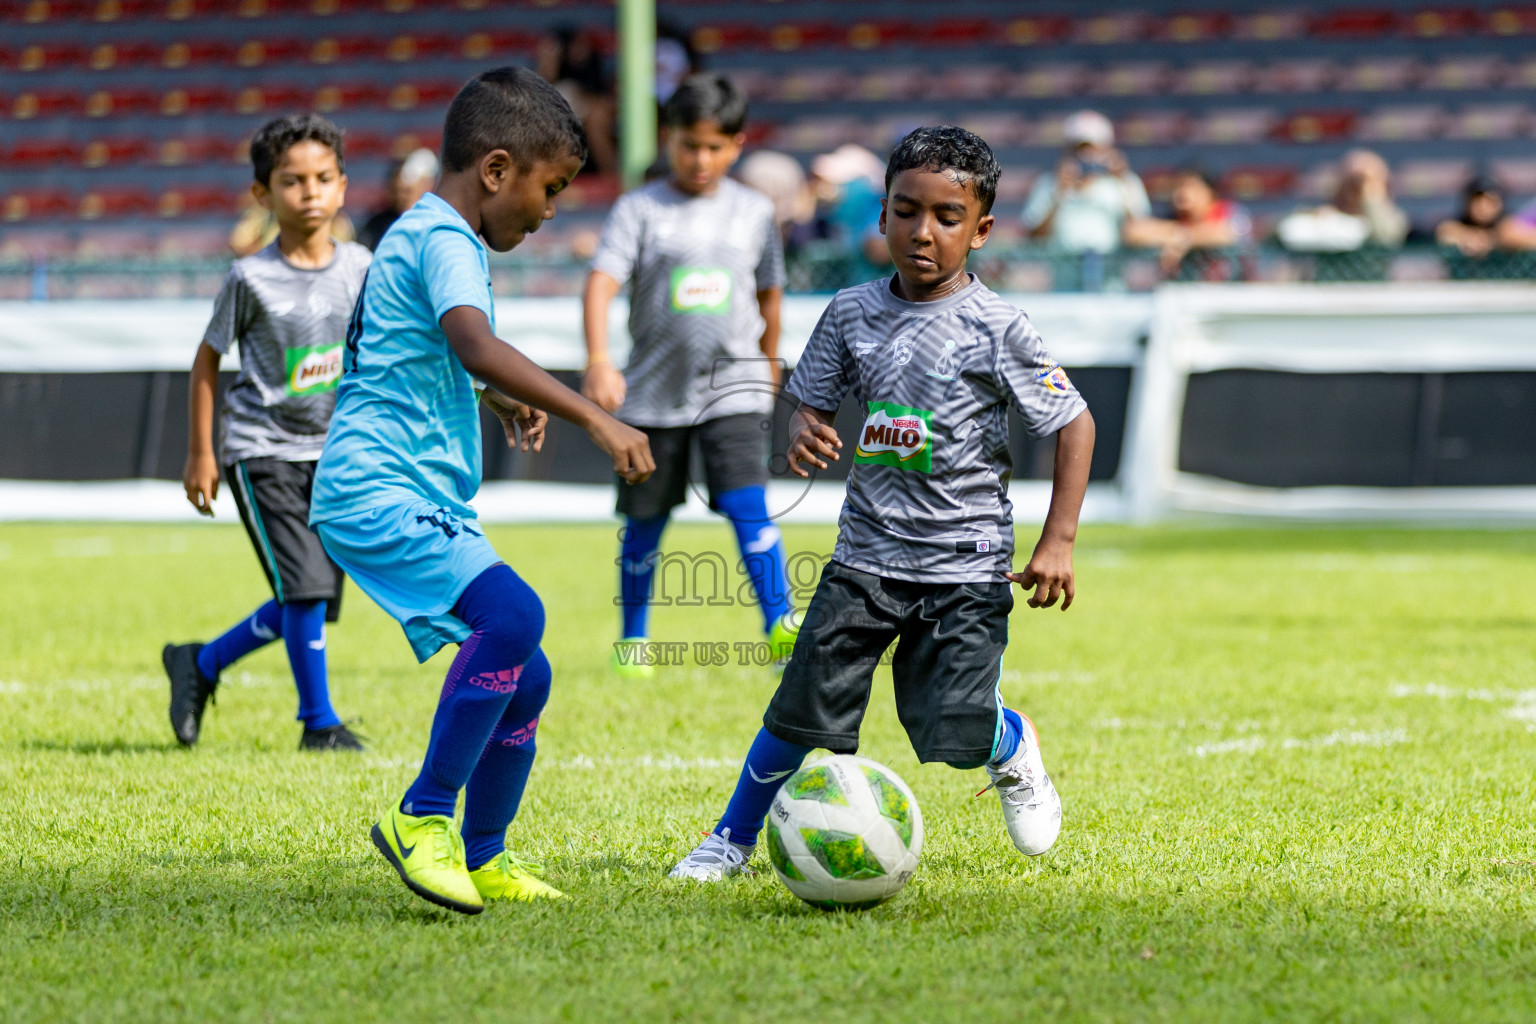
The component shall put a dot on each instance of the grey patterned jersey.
(928, 489)
(290, 324)
(696, 264)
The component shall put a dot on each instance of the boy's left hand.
(523, 425)
(1049, 573)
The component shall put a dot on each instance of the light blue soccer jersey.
(407, 421)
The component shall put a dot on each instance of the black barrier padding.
(1276, 429)
(71, 426)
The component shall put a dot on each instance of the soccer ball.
(844, 833)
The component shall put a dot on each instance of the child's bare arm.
(770, 302)
(516, 376)
(602, 383)
(812, 438)
(1049, 571)
(200, 476)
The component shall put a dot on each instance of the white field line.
(1521, 703)
(1337, 738)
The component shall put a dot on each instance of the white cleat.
(1031, 805)
(713, 860)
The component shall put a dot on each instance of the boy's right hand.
(201, 479)
(629, 448)
(603, 385)
(814, 442)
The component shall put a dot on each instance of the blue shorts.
(415, 560)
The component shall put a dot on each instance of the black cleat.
(190, 691)
(335, 737)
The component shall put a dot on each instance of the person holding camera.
(1081, 208)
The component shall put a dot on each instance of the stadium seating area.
(131, 115)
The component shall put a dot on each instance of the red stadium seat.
(98, 204)
(1292, 76)
(1192, 27)
(346, 96)
(36, 204)
(192, 10)
(1249, 183)
(253, 53)
(411, 95)
(195, 201)
(1233, 126)
(757, 83)
(1485, 71)
(343, 49)
(1511, 21)
(1516, 174)
(1269, 26)
(1036, 31)
(407, 143)
(48, 56)
(1431, 178)
(1417, 123)
(108, 11)
(958, 32)
(1379, 75)
(709, 39)
(819, 134)
(1314, 126)
(120, 102)
(197, 149)
(40, 12)
(968, 82)
(1112, 29)
(1152, 128)
(813, 85)
(407, 47)
(1491, 121)
(118, 55)
(1213, 78)
(270, 99)
(872, 35)
(1001, 129)
(26, 106)
(483, 45)
(45, 152)
(891, 84)
(114, 152)
(265, 8)
(1044, 81)
(200, 99)
(791, 36)
(367, 145)
(1140, 78)
(1368, 23)
(195, 53)
(1440, 22)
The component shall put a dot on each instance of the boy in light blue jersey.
(392, 491)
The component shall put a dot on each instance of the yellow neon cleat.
(509, 877)
(630, 660)
(781, 640)
(428, 852)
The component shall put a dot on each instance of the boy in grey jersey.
(925, 542)
(703, 255)
(287, 307)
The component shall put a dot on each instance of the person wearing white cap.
(1081, 208)
(409, 180)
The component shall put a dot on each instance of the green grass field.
(1297, 769)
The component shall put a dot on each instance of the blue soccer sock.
(507, 620)
(304, 636)
(637, 565)
(769, 762)
(496, 785)
(253, 633)
(762, 549)
(1009, 738)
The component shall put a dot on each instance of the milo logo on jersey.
(313, 369)
(701, 290)
(895, 435)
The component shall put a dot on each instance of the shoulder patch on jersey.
(898, 436)
(1055, 379)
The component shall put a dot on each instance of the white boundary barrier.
(1421, 328)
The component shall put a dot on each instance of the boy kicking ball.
(392, 492)
(924, 551)
(286, 307)
(703, 255)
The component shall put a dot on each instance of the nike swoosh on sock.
(770, 777)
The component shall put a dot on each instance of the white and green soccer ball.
(844, 833)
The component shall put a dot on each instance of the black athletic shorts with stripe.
(734, 450)
(273, 497)
(949, 641)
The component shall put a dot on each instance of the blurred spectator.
(570, 60)
(1474, 231)
(781, 178)
(1200, 220)
(1082, 206)
(848, 184)
(1362, 212)
(256, 229)
(675, 60)
(409, 180)
(1518, 230)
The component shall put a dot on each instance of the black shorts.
(949, 639)
(735, 454)
(273, 497)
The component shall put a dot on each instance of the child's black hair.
(707, 97)
(277, 137)
(515, 110)
(964, 154)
